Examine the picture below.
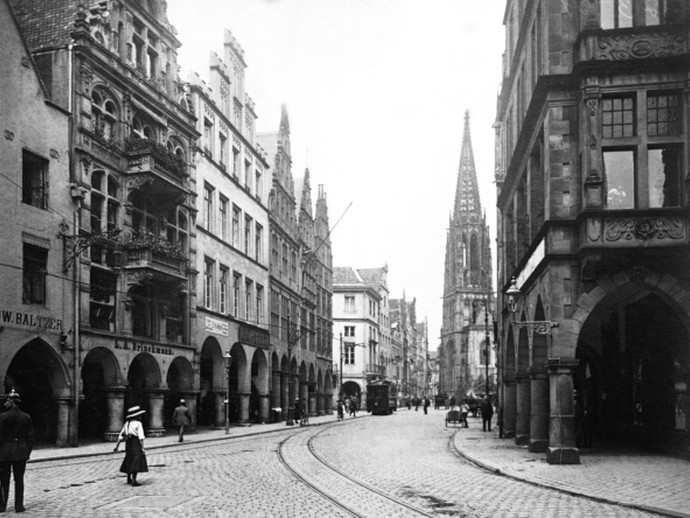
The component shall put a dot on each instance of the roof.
(347, 275)
(46, 25)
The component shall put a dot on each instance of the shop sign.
(29, 320)
(141, 347)
(217, 327)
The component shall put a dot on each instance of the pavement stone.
(638, 481)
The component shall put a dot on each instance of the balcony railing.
(145, 155)
(151, 251)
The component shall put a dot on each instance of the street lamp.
(542, 327)
(228, 362)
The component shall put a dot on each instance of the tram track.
(298, 455)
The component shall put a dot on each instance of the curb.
(77, 455)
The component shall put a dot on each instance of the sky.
(376, 92)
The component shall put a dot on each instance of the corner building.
(130, 249)
(591, 170)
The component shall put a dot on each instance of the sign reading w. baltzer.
(19, 318)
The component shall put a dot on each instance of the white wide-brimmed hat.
(134, 412)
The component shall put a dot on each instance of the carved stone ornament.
(54, 153)
(644, 229)
(633, 46)
(139, 278)
(9, 135)
(594, 229)
(86, 77)
(25, 61)
(592, 107)
(136, 183)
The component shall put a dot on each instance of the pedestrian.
(16, 443)
(416, 403)
(452, 401)
(407, 403)
(347, 405)
(464, 410)
(135, 455)
(487, 413)
(340, 410)
(353, 406)
(427, 404)
(298, 411)
(181, 418)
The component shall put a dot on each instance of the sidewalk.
(634, 479)
(152, 443)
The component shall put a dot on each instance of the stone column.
(219, 405)
(284, 395)
(562, 436)
(63, 410)
(156, 406)
(509, 410)
(522, 417)
(243, 407)
(116, 413)
(264, 406)
(539, 407)
(275, 390)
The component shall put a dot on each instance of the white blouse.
(133, 428)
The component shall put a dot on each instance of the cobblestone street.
(400, 465)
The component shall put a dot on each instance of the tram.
(382, 397)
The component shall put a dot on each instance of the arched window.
(175, 148)
(103, 114)
(474, 252)
(141, 128)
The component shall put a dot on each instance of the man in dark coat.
(181, 418)
(487, 413)
(16, 443)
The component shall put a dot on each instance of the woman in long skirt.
(135, 456)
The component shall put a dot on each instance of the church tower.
(467, 298)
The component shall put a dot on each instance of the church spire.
(467, 192)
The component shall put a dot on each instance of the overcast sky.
(375, 91)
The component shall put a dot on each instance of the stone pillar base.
(156, 432)
(563, 456)
(538, 445)
(522, 440)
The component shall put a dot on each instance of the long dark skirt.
(135, 458)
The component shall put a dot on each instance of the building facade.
(299, 275)
(467, 289)
(146, 266)
(113, 68)
(591, 170)
(356, 329)
(232, 247)
(37, 309)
